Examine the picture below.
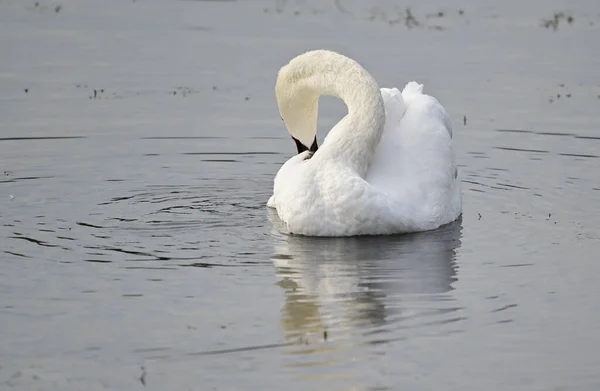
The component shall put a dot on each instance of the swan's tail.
(412, 88)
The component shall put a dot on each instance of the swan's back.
(414, 163)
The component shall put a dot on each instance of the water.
(138, 145)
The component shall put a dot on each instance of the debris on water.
(439, 14)
(143, 377)
(183, 91)
(57, 8)
(557, 96)
(465, 120)
(325, 335)
(461, 12)
(568, 95)
(223, 326)
(26, 90)
(554, 22)
(247, 98)
(214, 88)
(340, 7)
(479, 214)
(549, 215)
(410, 21)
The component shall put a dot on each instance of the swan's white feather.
(410, 185)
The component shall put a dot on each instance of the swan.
(387, 167)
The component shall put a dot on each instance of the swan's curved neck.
(321, 72)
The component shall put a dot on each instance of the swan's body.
(387, 167)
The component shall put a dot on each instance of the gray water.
(138, 144)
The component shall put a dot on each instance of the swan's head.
(298, 106)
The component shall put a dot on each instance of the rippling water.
(138, 144)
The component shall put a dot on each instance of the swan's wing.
(416, 138)
(414, 163)
(413, 94)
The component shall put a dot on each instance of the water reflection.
(366, 287)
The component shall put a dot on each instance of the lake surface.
(138, 144)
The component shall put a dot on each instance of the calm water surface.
(138, 143)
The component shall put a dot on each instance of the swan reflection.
(367, 284)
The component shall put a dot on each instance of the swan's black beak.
(301, 147)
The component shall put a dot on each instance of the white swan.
(387, 167)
